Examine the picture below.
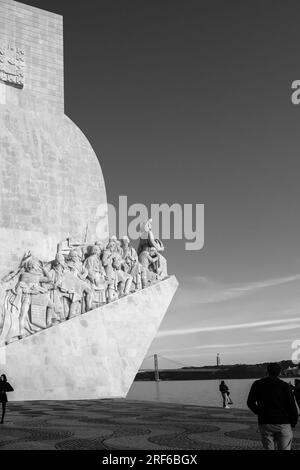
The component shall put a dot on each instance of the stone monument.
(51, 180)
(78, 311)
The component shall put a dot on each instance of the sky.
(189, 102)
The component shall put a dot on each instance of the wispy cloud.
(221, 346)
(207, 312)
(292, 326)
(235, 326)
(232, 349)
(214, 292)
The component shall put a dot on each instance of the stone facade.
(95, 355)
(51, 183)
(52, 189)
(39, 34)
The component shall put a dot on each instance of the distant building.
(291, 371)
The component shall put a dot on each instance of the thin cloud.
(228, 345)
(292, 326)
(232, 349)
(214, 293)
(236, 326)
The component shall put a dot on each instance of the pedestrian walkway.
(126, 424)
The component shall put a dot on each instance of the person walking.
(272, 400)
(225, 394)
(4, 388)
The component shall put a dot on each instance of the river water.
(193, 392)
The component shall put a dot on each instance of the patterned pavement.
(127, 424)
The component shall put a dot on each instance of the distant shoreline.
(207, 378)
(226, 372)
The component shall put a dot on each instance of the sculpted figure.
(100, 246)
(124, 279)
(131, 262)
(58, 295)
(75, 264)
(74, 284)
(148, 259)
(36, 295)
(107, 261)
(161, 264)
(108, 254)
(94, 268)
(118, 248)
(13, 274)
(96, 274)
(30, 301)
(147, 240)
(9, 317)
(119, 282)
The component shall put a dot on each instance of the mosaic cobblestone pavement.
(123, 424)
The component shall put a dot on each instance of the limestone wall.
(51, 183)
(39, 34)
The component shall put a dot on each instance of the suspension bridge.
(162, 358)
(156, 360)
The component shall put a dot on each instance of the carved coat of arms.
(12, 65)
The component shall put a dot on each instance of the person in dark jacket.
(225, 394)
(272, 400)
(296, 390)
(4, 388)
